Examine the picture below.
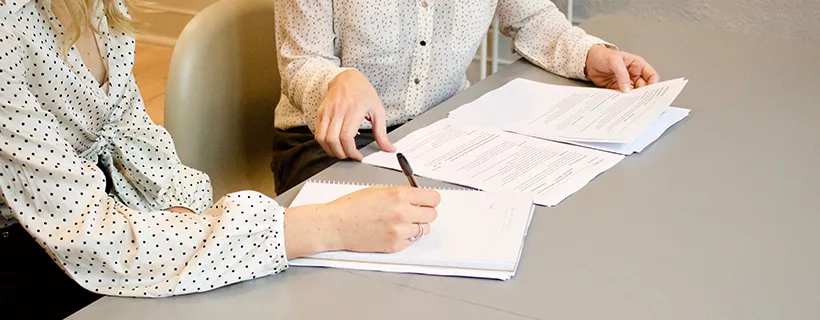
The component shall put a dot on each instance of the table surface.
(719, 219)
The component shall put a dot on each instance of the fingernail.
(625, 88)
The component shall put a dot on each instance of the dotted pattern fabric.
(58, 124)
(415, 53)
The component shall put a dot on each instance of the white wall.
(794, 19)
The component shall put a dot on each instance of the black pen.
(408, 171)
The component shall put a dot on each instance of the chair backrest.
(223, 84)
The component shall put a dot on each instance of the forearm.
(306, 46)
(308, 231)
(162, 253)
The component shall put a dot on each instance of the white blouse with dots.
(415, 53)
(59, 136)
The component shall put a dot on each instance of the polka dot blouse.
(415, 53)
(62, 135)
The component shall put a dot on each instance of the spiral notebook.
(477, 234)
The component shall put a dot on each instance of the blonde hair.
(80, 12)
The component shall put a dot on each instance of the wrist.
(327, 222)
(343, 76)
(310, 230)
(591, 54)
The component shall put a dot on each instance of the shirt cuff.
(582, 47)
(279, 233)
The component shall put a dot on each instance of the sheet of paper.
(440, 271)
(670, 117)
(495, 160)
(569, 113)
(474, 230)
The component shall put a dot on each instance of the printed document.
(495, 160)
(568, 113)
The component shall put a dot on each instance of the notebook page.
(403, 268)
(476, 230)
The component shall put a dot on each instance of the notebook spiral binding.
(350, 183)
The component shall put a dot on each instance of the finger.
(409, 230)
(350, 128)
(642, 70)
(321, 126)
(418, 196)
(640, 83)
(649, 74)
(617, 66)
(378, 120)
(333, 133)
(419, 214)
(634, 70)
(426, 230)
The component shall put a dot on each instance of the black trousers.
(32, 285)
(297, 156)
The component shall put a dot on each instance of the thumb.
(380, 129)
(617, 66)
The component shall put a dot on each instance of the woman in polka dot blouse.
(93, 189)
(352, 70)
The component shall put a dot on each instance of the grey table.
(719, 219)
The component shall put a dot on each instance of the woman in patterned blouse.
(89, 182)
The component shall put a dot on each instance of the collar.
(16, 5)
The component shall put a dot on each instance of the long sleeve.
(543, 35)
(307, 59)
(60, 199)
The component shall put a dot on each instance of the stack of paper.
(476, 234)
(543, 139)
(592, 117)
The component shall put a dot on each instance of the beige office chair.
(223, 84)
